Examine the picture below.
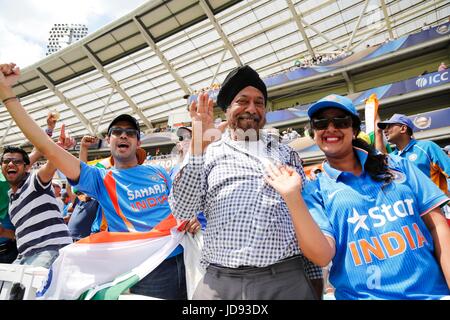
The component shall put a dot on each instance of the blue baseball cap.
(399, 119)
(333, 101)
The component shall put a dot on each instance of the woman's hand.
(285, 180)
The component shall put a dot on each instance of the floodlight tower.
(64, 34)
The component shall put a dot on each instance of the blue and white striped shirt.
(34, 211)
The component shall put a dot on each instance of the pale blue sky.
(25, 24)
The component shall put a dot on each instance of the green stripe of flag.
(113, 292)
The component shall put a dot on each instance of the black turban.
(236, 80)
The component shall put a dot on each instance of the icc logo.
(421, 82)
(432, 79)
(442, 29)
(422, 122)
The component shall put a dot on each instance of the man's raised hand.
(9, 75)
(65, 141)
(203, 130)
(88, 141)
(51, 120)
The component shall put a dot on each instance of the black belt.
(291, 263)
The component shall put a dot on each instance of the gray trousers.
(285, 280)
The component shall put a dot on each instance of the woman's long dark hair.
(376, 163)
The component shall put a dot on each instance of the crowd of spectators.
(309, 62)
(230, 159)
(288, 135)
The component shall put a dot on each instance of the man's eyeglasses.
(131, 133)
(338, 123)
(390, 125)
(16, 162)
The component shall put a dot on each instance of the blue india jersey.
(430, 159)
(132, 200)
(383, 248)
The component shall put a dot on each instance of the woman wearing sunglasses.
(375, 217)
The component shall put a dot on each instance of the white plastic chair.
(9, 274)
(33, 277)
(29, 276)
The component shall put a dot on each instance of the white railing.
(29, 277)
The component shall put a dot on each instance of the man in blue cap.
(426, 155)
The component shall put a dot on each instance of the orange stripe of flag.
(160, 230)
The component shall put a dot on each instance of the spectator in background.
(426, 155)
(293, 134)
(185, 136)
(285, 137)
(8, 249)
(57, 187)
(442, 67)
(182, 147)
(65, 197)
(81, 220)
(71, 202)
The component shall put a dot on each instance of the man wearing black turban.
(250, 249)
(243, 97)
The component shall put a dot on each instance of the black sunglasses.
(16, 162)
(131, 133)
(338, 122)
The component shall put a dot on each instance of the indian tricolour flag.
(370, 112)
(105, 264)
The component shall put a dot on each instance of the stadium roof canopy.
(146, 62)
